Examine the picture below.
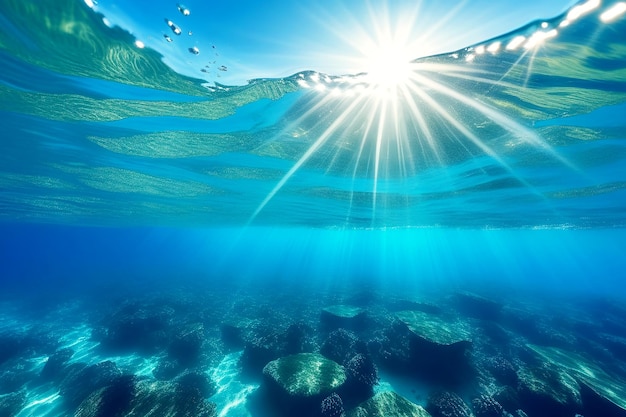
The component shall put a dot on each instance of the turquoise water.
(492, 175)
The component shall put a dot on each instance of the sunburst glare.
(402, 117)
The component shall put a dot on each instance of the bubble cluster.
(211, 68)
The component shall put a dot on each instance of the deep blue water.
(487, 188)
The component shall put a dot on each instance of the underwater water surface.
(441, 237)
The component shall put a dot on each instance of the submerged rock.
(547, 390)
(362, 376)
(447, 404)
(435, 329)
(502, 370)
(297, 384)
(14, 378)
(486, 406)
(299, 339)
(477, 306)
(10, 346)
(332, 406)
(196, 384)
(110, 401)
(187, 344)
(55, 364)
(261, 350)
(12, 403)
(603, 391)
(82, 380)
(342, 316)
(305, 375)
(388, 404)
(138, 327)
(236, 331)
(167, 399)
(437, 348)
(341, 345)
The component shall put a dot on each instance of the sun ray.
(305, 157)
(404, 116)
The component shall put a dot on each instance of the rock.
(12, 403)
(167, 399)
(388, 404)
(546, 390)
(11, 345)
(304, 376)
(536, 327)
(342, 316)
(595, 404)
(401, 305)
(111, 401)
(196, 383)
(55, 364)
(603, 391)
(502, 370)
(236, 331)
(447, 404)
(508, 397)
(299, 339)
(187, 344)
(82, 380)
(438, 348)
(615, 344)
(341, 345)
(486, 406)
(138, 327)
(436, 330)
(261, 350)
(332, 406)
(392, 348)
(362, 376)
(14, 378)
(167, 369)
(474, 305)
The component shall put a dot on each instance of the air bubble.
(173, 26)
(194, 50)
(167, 38)
(183, 10)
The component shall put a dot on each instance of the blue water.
(125, 185)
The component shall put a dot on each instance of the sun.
(387, 63)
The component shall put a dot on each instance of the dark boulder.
(81, 380)
(438, 348)
(341, 345)
(144, 328)
(11, 404)
(477, 306)
(168, 399)
(332, 406)
(261, 350)
(447, 404)
(486, 406)
(186, 347)
(362, 376)
(56, 363)
(110, 401)
(299, 339)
